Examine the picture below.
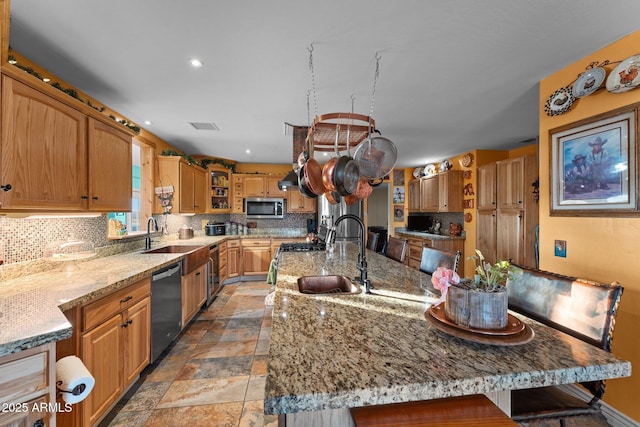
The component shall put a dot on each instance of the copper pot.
(351, 199)
(327, 174)
(363, 190)
(333, 197)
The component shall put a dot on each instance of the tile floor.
(214, 374)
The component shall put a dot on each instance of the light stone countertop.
(31, 306)
(330, 352)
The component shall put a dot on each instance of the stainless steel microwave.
(260, 208)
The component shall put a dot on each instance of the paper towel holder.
(77, 390)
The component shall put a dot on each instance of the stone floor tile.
(204, 392)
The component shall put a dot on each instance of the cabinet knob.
(84, 197)
(127, 323)
(95, 197)
(39, 423)
(6, 187)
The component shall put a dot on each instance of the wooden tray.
(514, 325)
(523, 337)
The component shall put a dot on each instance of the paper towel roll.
(73, 379)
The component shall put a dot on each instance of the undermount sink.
(323, 285)
(173, 249)
(191, 261)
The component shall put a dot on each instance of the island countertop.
(332, 352)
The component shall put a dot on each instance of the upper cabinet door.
(487, 187)
(44, 151)
(109, 168)
(510, 183)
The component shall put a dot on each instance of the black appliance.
(214, 229)
(320, 245)
(419, 223)
(166, 310)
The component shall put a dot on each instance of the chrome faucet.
(362, 257)
(147, 241)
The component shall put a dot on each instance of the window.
(131, 223)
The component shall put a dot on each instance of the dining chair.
(433, 258)
(396, 248)
(372, 240)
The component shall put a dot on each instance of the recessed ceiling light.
(195, 62)
(147, 122)
(247, 151)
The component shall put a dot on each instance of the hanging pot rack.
(353, 128)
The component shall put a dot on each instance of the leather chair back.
(434, 258)
(372, 240)
(396, 248)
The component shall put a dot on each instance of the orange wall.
(603, 249)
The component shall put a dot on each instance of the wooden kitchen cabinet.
(237, 205)
(253, 186)
(27, 380)
(256, 256)
(506, 226)
(189, 184)
(58, 158)
(297, 203)
(416, 244)
(271, 187)
(450, 191)
(429, 194)
(414, 195)
(115, 345)
(234, 258)
(220, 189)
(109, 188)
(222, 261)
(194, 293)
(486, 188)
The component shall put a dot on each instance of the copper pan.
(333, 197)
(363, 190)
(351, 199)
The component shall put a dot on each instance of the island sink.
(321, 285)
(196, 255)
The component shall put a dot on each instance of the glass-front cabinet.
(219, 189)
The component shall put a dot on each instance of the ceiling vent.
(204, 126)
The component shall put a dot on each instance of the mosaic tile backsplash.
(23, 240)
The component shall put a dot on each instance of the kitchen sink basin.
(324, 285)
(199, 255)
(173, 249)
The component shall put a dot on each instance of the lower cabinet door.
(137, 340)
(102, 354)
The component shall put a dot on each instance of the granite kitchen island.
(329, 353)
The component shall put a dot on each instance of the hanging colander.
(376, 157)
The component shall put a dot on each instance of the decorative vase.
(476, 308)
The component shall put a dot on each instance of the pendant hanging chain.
(313, 79)
(375, 81)
(308, 110)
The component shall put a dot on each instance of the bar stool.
(434, 258)
(396, 248)
(372, 240)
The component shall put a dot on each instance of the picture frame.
(398, 213)
(593, 166)
(398, 177)
(398, 194)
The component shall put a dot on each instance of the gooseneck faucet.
(147, 241)
(362, 257)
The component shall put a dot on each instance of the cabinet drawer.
(223, 272)
(24, 375)
(256, 242)
(101, 310)
(415, 252)
(26, 416)
(414, 263)
(233, 243)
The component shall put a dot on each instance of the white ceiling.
(454, 75)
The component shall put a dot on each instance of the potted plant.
(480, 303)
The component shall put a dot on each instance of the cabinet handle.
(6, 187)
(95, 197)
(84, 197)
(127, 323)
(39, 423)
(128, 298)
(198, 273)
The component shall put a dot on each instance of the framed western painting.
(593, 167)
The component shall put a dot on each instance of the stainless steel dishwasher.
(166, 308)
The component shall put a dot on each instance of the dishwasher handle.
(166, 273)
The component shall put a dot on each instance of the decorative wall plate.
(588, 82)
(417, 172)
(466, 160)
(444, 166)
(468, 217)
(430, 170)
(559, 101)
(625, 76)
